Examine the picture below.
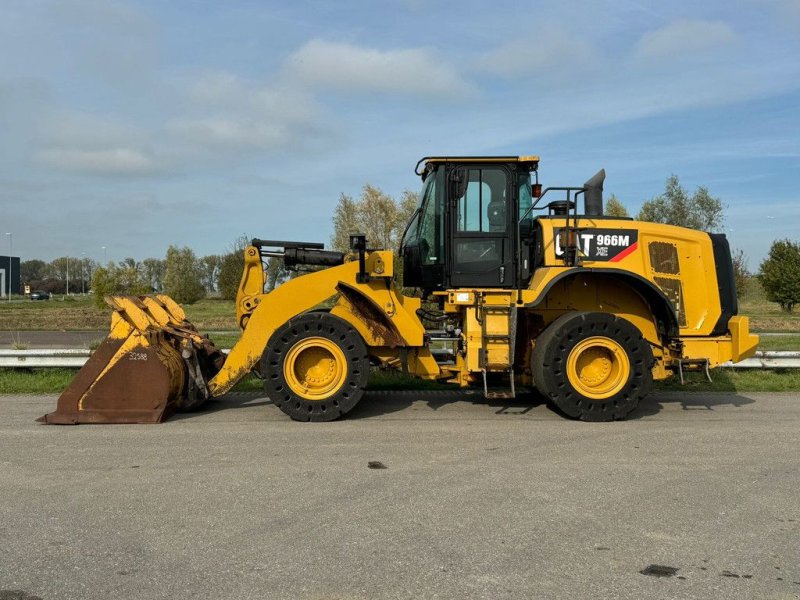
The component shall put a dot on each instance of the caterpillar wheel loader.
(515, 287)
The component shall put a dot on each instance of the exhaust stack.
(593, 196)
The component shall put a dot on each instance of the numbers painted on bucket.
(137, 356)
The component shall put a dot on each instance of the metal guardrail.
(77, 357)
(775, 359)
(44, 358)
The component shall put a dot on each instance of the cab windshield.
(428, 225)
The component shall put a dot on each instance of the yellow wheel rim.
(315, 368)
(598, 367)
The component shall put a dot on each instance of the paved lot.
(477, 500)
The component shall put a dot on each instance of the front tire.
(592, 366)
(315, 367)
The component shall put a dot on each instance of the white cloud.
(552, 53)
(684, 38)
(414, 71)
(229, 112)
(63, 128)
(107, 161)
(92, 144)
(235, 131)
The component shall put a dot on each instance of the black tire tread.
(322, 324)
(548, 364)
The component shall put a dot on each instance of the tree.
(153, 272)
(381, 218)
(780, 274)
(675, 206)
(408, 204)
(210, 268)
(345, 222)
(103, 284)
(615, 208)
(129, 276)
(32, 270)
(183, 275)
(58, 271)
(122, 279)
(87, 267)
(275, 273)
(230, 269)
(740, 272)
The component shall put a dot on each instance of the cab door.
(481, 201)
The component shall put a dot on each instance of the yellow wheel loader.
(515, 285)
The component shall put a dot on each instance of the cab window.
(431, 224)
(482, 208)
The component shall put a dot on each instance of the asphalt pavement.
(465, 498)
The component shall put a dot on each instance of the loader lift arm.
(154, 361)
(261, 314)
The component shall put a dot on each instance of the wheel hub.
(315, 368)
(598, 367)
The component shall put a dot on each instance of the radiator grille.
(673, 290)
(664, 258)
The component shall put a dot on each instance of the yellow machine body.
(594, 309)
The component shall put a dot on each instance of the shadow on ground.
(701, 401)
(385, 402)
(379, 403)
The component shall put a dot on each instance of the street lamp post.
(104, 255)
(67, 275)
(10, 262)
(83, 273)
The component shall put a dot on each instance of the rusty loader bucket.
(153, 363)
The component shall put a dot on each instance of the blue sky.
(135, 125)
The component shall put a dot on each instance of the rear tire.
(592, 366)
(315, 367)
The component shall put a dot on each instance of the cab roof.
(426, 161)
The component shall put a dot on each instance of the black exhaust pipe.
(593, 196)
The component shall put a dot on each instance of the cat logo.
(602, 245)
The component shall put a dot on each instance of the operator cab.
(464, 231)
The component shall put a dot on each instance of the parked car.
(40, 295)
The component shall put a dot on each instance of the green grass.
(765, 315)
(737, 380)
(35, 381)
(779, 342)
(224, 340)
(52, 381)
(55, 381)
(212, 314)
(77, 313)
(394, 380)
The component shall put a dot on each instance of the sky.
(139, 124)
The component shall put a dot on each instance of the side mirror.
(536, 190)
(412, 264)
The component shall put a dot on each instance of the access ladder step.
(499, 394)
(687, 365)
